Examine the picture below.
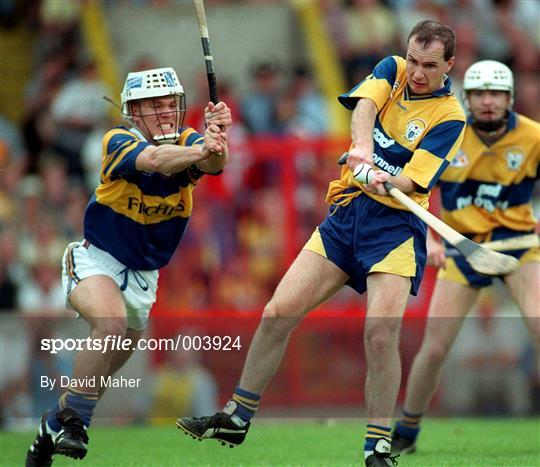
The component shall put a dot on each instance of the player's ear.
(450, 63)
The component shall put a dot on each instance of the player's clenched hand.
(215, 141)
(360, 154)
(218, 114)
(376, 185)
(435, 252)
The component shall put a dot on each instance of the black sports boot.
(41, 451)
(401, 445)
(381, 456)
(72, 439)
(219, 426)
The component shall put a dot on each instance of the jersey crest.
(514, 158)
(414, 129)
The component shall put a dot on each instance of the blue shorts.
(458, 270)
(366, 236)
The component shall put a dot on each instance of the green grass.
(459, 443)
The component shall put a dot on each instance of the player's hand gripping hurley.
(482, 260)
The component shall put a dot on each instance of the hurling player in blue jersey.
(132, 226)
(486, 195)
(407, 123)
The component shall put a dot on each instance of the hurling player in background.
(486, 195)
(409, 125)
(132, 226)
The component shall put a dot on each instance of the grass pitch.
(444, 442)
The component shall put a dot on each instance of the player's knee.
(382, 336)
(276, 319)
(435, 353)
(110, 326)
(275, 309)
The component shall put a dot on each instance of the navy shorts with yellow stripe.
(366, 236)
(458, 270)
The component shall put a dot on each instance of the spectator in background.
(410, 12)
(480, 16)
(41, 292)
(468, 47)
(528, 95)
(40, 91)
(76, 110)
(59, 31)
(302, 110)
(519, 26)
(91, 154)
(370, 36)
(8, 267)
(259, 106)
(13, 156)
(41, 238)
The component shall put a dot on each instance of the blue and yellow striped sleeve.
(435, 152)
(377, 86)
(120, 149)
(189, 137)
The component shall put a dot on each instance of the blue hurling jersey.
(138, 217)
(414, 135)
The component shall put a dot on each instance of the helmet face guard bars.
(149, 84)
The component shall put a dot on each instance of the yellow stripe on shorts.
(400, 261)
(315, 244)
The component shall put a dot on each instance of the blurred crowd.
(233, 253)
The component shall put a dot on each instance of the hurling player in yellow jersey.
(486, 195)
(132, 225)
(407, 122)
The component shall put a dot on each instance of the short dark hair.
(428, 31)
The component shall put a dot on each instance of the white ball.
(363, 173)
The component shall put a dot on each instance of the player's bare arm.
(362, 123)
(169, 158)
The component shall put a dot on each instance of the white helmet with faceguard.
(489, 75)
(150, 84)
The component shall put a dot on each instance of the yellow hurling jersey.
(414, 135)
(487, 187)
(139, 217)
